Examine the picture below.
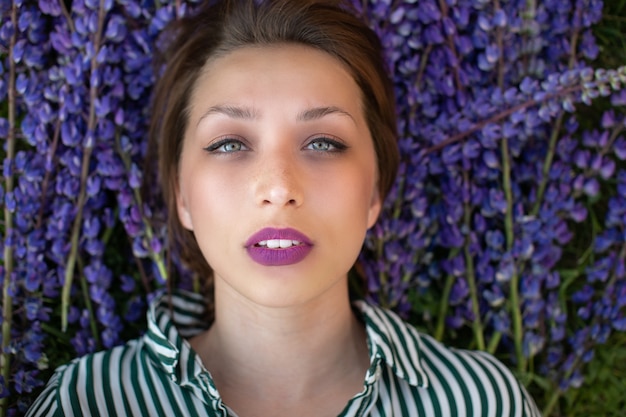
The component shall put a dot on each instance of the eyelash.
(214, 147)
(336, 145)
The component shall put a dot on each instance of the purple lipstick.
(278, 247)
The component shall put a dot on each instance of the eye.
(326, 144)
(226, 145)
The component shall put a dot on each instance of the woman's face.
(277, 174)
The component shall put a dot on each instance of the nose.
(278, 182)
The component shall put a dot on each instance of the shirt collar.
(395, 342)
(171, 319)
(390, 339)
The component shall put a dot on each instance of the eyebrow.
(233, 112)
(246, 113)
(318, 112)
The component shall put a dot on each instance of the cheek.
(185, 198)
(356, 196)
(200, 196)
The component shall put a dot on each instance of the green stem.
(554, 137)
(92, 318)
(154, 256)
(82, 196)
(53, 331)
(508, 193)
(494, 342)
(443, 304)
(528, 16)
(69, 269)
(515, 304)
(7, 301)
(516, 315)
(443, 308)
(477, 325)
(547, 164)
(552, 402)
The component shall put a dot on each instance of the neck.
(286, 353)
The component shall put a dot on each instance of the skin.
(277, 138)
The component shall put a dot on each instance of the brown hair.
(219, 28)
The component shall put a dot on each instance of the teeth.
(279, 243)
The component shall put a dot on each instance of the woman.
(276, 132)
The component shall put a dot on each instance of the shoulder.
(98, 381)
(454, 381)
(477, 376)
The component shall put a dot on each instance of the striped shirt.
(410, 374)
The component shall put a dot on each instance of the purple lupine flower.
(424, 218)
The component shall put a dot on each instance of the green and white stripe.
(158, 374)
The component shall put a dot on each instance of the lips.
(278, 247)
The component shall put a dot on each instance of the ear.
(374, 209)
(183, 212)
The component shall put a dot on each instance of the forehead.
(287, 71)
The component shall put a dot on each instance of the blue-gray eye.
(326, 145)
(231, 147)
(226, 146)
